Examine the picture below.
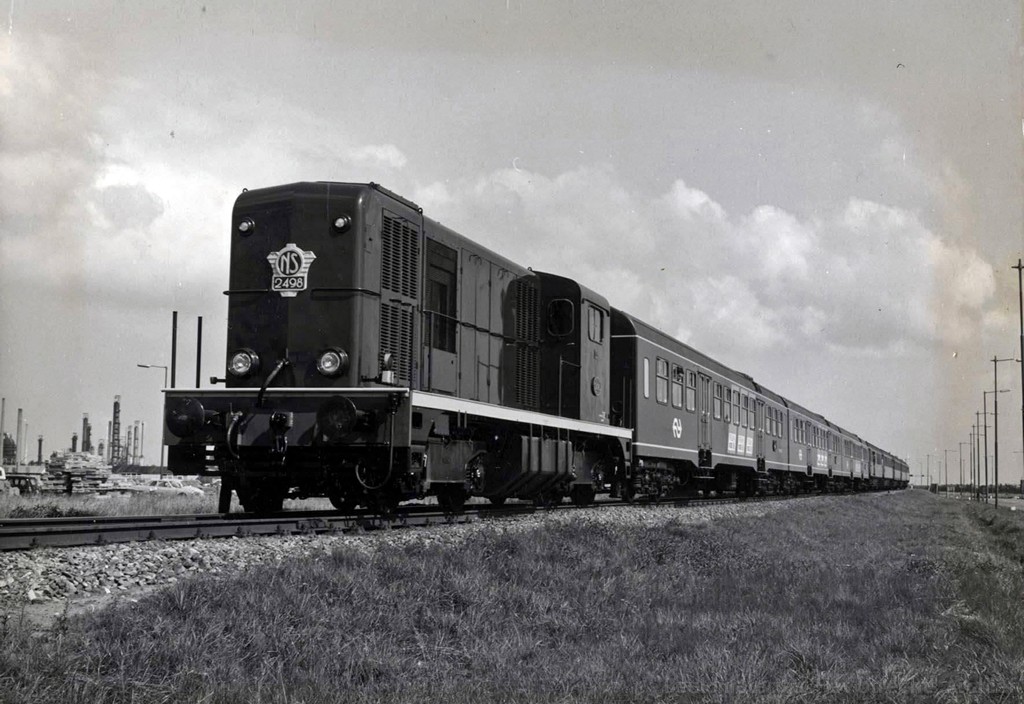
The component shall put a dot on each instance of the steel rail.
(26, 533)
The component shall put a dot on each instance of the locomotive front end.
(317, 399)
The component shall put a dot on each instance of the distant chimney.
(39, 457)
(74, 442)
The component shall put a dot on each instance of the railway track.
(26, 533)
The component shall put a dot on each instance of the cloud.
(865, 279)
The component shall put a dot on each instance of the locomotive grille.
(526, 310)
(396, 338)
(527, 355)
(400, 252)
(526, 375)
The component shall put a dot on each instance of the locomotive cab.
(324, 283)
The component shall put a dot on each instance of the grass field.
(134, 504)
(899, 598)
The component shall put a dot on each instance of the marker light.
(332, 362)
(247, 226)
(342, 223)
(243, 362)
(184, 416)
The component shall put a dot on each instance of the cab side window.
(595, 324)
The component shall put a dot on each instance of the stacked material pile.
(75, 473)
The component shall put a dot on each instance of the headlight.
(243, 363)
(332, 362)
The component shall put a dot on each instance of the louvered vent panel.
(400, 254)
(526, 311)
(527, 354)
(396, 337)
(526, 375)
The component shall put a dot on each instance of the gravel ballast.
(58, 576)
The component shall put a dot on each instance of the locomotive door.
(759, 430)
(705, 411)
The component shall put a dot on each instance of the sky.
(824, 195)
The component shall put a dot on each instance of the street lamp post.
(995, 416)
(164, 367)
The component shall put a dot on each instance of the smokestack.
(115, 432)
(199, 349)
(74, 442)
(39, 457)
(85, 432)
(110, 425)
(174, 345)
(17, 443)
(135, 444)
(142, 442)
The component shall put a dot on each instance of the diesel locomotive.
(375, 356)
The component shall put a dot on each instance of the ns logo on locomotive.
(382, 357)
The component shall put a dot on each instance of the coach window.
(647, 377)
(661, 383)
(771, 421)
(744, 412)
(677, 385)
(718, 401)
(596, 324)
(691, 391)
(735, 406)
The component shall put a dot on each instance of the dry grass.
(134, 504)
(899, 598)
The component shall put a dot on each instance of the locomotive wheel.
(261, 497)
(496, 500)
(383, 503)
(625, 491)
(343, 503)
(451, 499)
(582, 495)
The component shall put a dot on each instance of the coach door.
(759, 428)
(705, 411)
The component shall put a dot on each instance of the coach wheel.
(547, 499)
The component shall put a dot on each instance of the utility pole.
(973, 440)
(945, 463)
(995, 418)
(1020, 302)
(960, 448)
(977, 454)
